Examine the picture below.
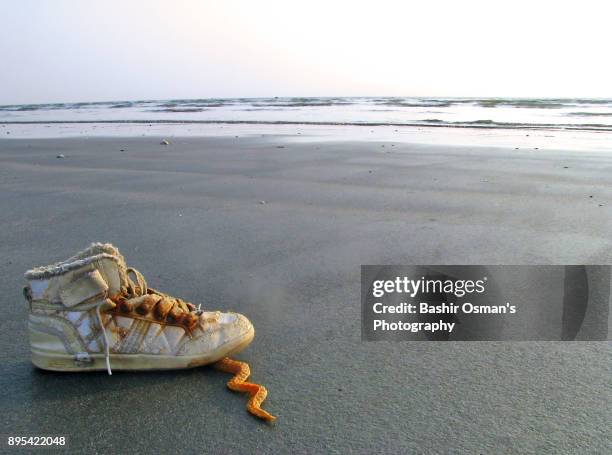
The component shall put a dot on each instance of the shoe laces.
(138, 287)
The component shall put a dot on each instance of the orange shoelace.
(258, 393)
(137, 297)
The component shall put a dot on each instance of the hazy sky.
(75, 50)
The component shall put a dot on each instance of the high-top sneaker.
(92, 312)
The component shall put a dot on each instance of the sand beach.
(276, 228)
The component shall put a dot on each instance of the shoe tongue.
(106, 248)
(119, 262)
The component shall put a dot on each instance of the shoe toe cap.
(222, 329)
(234, 325)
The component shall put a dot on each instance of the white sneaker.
(91, 312)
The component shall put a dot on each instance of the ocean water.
(483, 113)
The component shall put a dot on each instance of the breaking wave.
(570, 113)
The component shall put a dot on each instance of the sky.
(102, 50)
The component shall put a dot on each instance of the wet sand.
(190, 217)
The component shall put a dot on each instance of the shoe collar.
(95, 252)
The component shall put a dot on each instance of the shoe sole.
(138, 362)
